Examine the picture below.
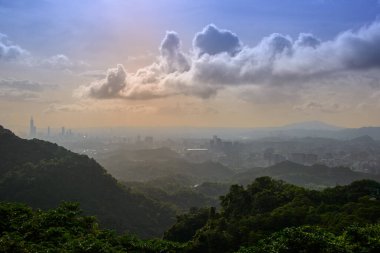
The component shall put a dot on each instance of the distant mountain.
(351, 133)
(311, 125)
(43, 174)
(365, 139)
(316, 176)
(321, 129)
(315, 129)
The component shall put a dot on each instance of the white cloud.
(60, 62)
(219, 60)
(10, 51)
(86, 107)
(22, 89)
(110, 87)
(172, 58)
(22, 85)
(146, 83)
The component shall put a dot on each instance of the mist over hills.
(43, 174)
(311, 125)
(317, 129)
(315, 176)
(161, 167)
(294, 130)
(150, 164)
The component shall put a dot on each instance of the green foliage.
(64, 229)
(251, 214)
(308, 239)
(188, 224)
(178, 192)
(42, 175)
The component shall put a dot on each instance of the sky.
(200, 63)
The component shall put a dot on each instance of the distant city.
(358, 153)
(33, 133)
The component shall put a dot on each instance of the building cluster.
(262, 154)
(359, 155)
(34, 133)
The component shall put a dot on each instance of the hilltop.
(42, 175)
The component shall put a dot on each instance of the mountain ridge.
(42, 174)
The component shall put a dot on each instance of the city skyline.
(189, 63)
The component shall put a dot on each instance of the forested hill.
(43, 174)
(271, 216)
(267, 216)
(316, 176)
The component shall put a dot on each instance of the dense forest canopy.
(268, 216)
(250, 215)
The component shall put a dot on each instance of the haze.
(189, 63)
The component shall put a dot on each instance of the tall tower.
(32, 128)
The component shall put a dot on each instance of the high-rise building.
(32, 128)
(63, 132)
(48, 132)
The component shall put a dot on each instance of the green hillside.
(273, 216)
(315, 176)
(132, 165)
(42, 174)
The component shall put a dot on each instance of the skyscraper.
(32, 128)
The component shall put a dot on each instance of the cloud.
(22, 89)
(313, 106)
(61, 62)
(25, 90)
(147, 83)
(219, 60)
(91, 107)
(307, 40)
(20, 95)
(185, 109)
(212, 40)
(110, 87)
(172, 57)
(58, 61)
(54, 108)
(98, 74)
(10, 51)
(21, 85)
